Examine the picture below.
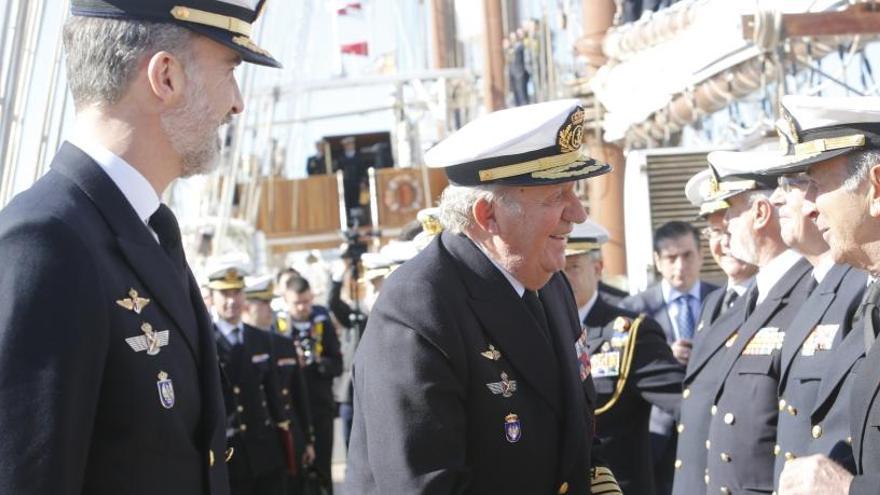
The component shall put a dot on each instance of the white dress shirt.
(769, 274)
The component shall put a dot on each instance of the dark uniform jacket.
(82, 410)
(253, 404)
(610, 294)
(650, 301)
(294, 394)
(432, 414)
(813, 347)
(702, 376)
(323, 358)
(865, 421)
(742, 427)
(654, 378)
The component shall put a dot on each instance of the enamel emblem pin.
(491, 354)
(506, 387)
(151, 341)
(166, 390)
(512, 428)
(134, 302)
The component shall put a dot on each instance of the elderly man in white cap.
(631, 364)
(833, 148)
(468, 379)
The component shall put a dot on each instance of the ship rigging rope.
(768, 29)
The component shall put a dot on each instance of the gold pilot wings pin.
(133, 302)
(151, 341)
(767, 340)
(820, 339)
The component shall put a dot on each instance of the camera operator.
(314, 333)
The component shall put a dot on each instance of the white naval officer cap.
(586, 237)
(700, 190)
(814, 129)
(260, 288)
(227, 272)
(530, 145)
(735, 172)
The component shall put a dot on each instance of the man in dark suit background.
(110, 381)
(629, 378)
(354, 174)
(675, 303)
(472, 375)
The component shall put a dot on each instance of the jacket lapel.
(659, 312)
(506, 320)
(777, 297)
(715, 336)
(559, 305)
(137, 245)
(849, 351)
(806, 320)
(860, 406)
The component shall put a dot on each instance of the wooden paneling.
(299, 207)
(402, 193)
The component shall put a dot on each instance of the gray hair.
(755, 195)
(103, 55)
(857, 165)
(457, 204)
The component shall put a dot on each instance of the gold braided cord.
(828, 144)
(506, 171)
(629, 352)
(229, 23)
(603, 482)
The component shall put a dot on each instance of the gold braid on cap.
(225, 22)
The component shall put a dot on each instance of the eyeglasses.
(801, 182)
(712, 232)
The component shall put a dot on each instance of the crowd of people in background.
(526, 72)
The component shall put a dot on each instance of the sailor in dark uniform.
(632, 365)
(110, 381)
(713, 335)
(300, 446)
(473, 373)
(313, 332)
(742, 428)
(833, 147)
(252, 393)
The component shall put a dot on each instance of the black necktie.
(751, 299)
(867, 313)
(164, 224)
(729, 298)
(535, 307)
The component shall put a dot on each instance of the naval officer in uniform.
(468, 378)
(833, 145)
(819, 350)
(632, 366)
(252, 392)
(110, 381)
(712, 343)
(742, 432)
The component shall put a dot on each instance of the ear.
(484, 215)
(598, 265)
(874, 191)
(763, 213)
(167, 78)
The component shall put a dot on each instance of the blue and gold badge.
(166, 390)
(512, 428)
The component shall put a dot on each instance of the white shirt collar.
(134, 186)
(516, 284)
(741, 287)
(770, 273)
(671, 294)
(822, 269)
(226, 328)
(584, 310)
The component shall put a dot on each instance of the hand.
(681, 349)
(309, 455)
(814, 474)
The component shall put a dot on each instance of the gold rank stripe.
(812, 148)
(549, 162)
(710, 207)
(581, 247)
(196, 16)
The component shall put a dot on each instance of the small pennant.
(166, 390)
